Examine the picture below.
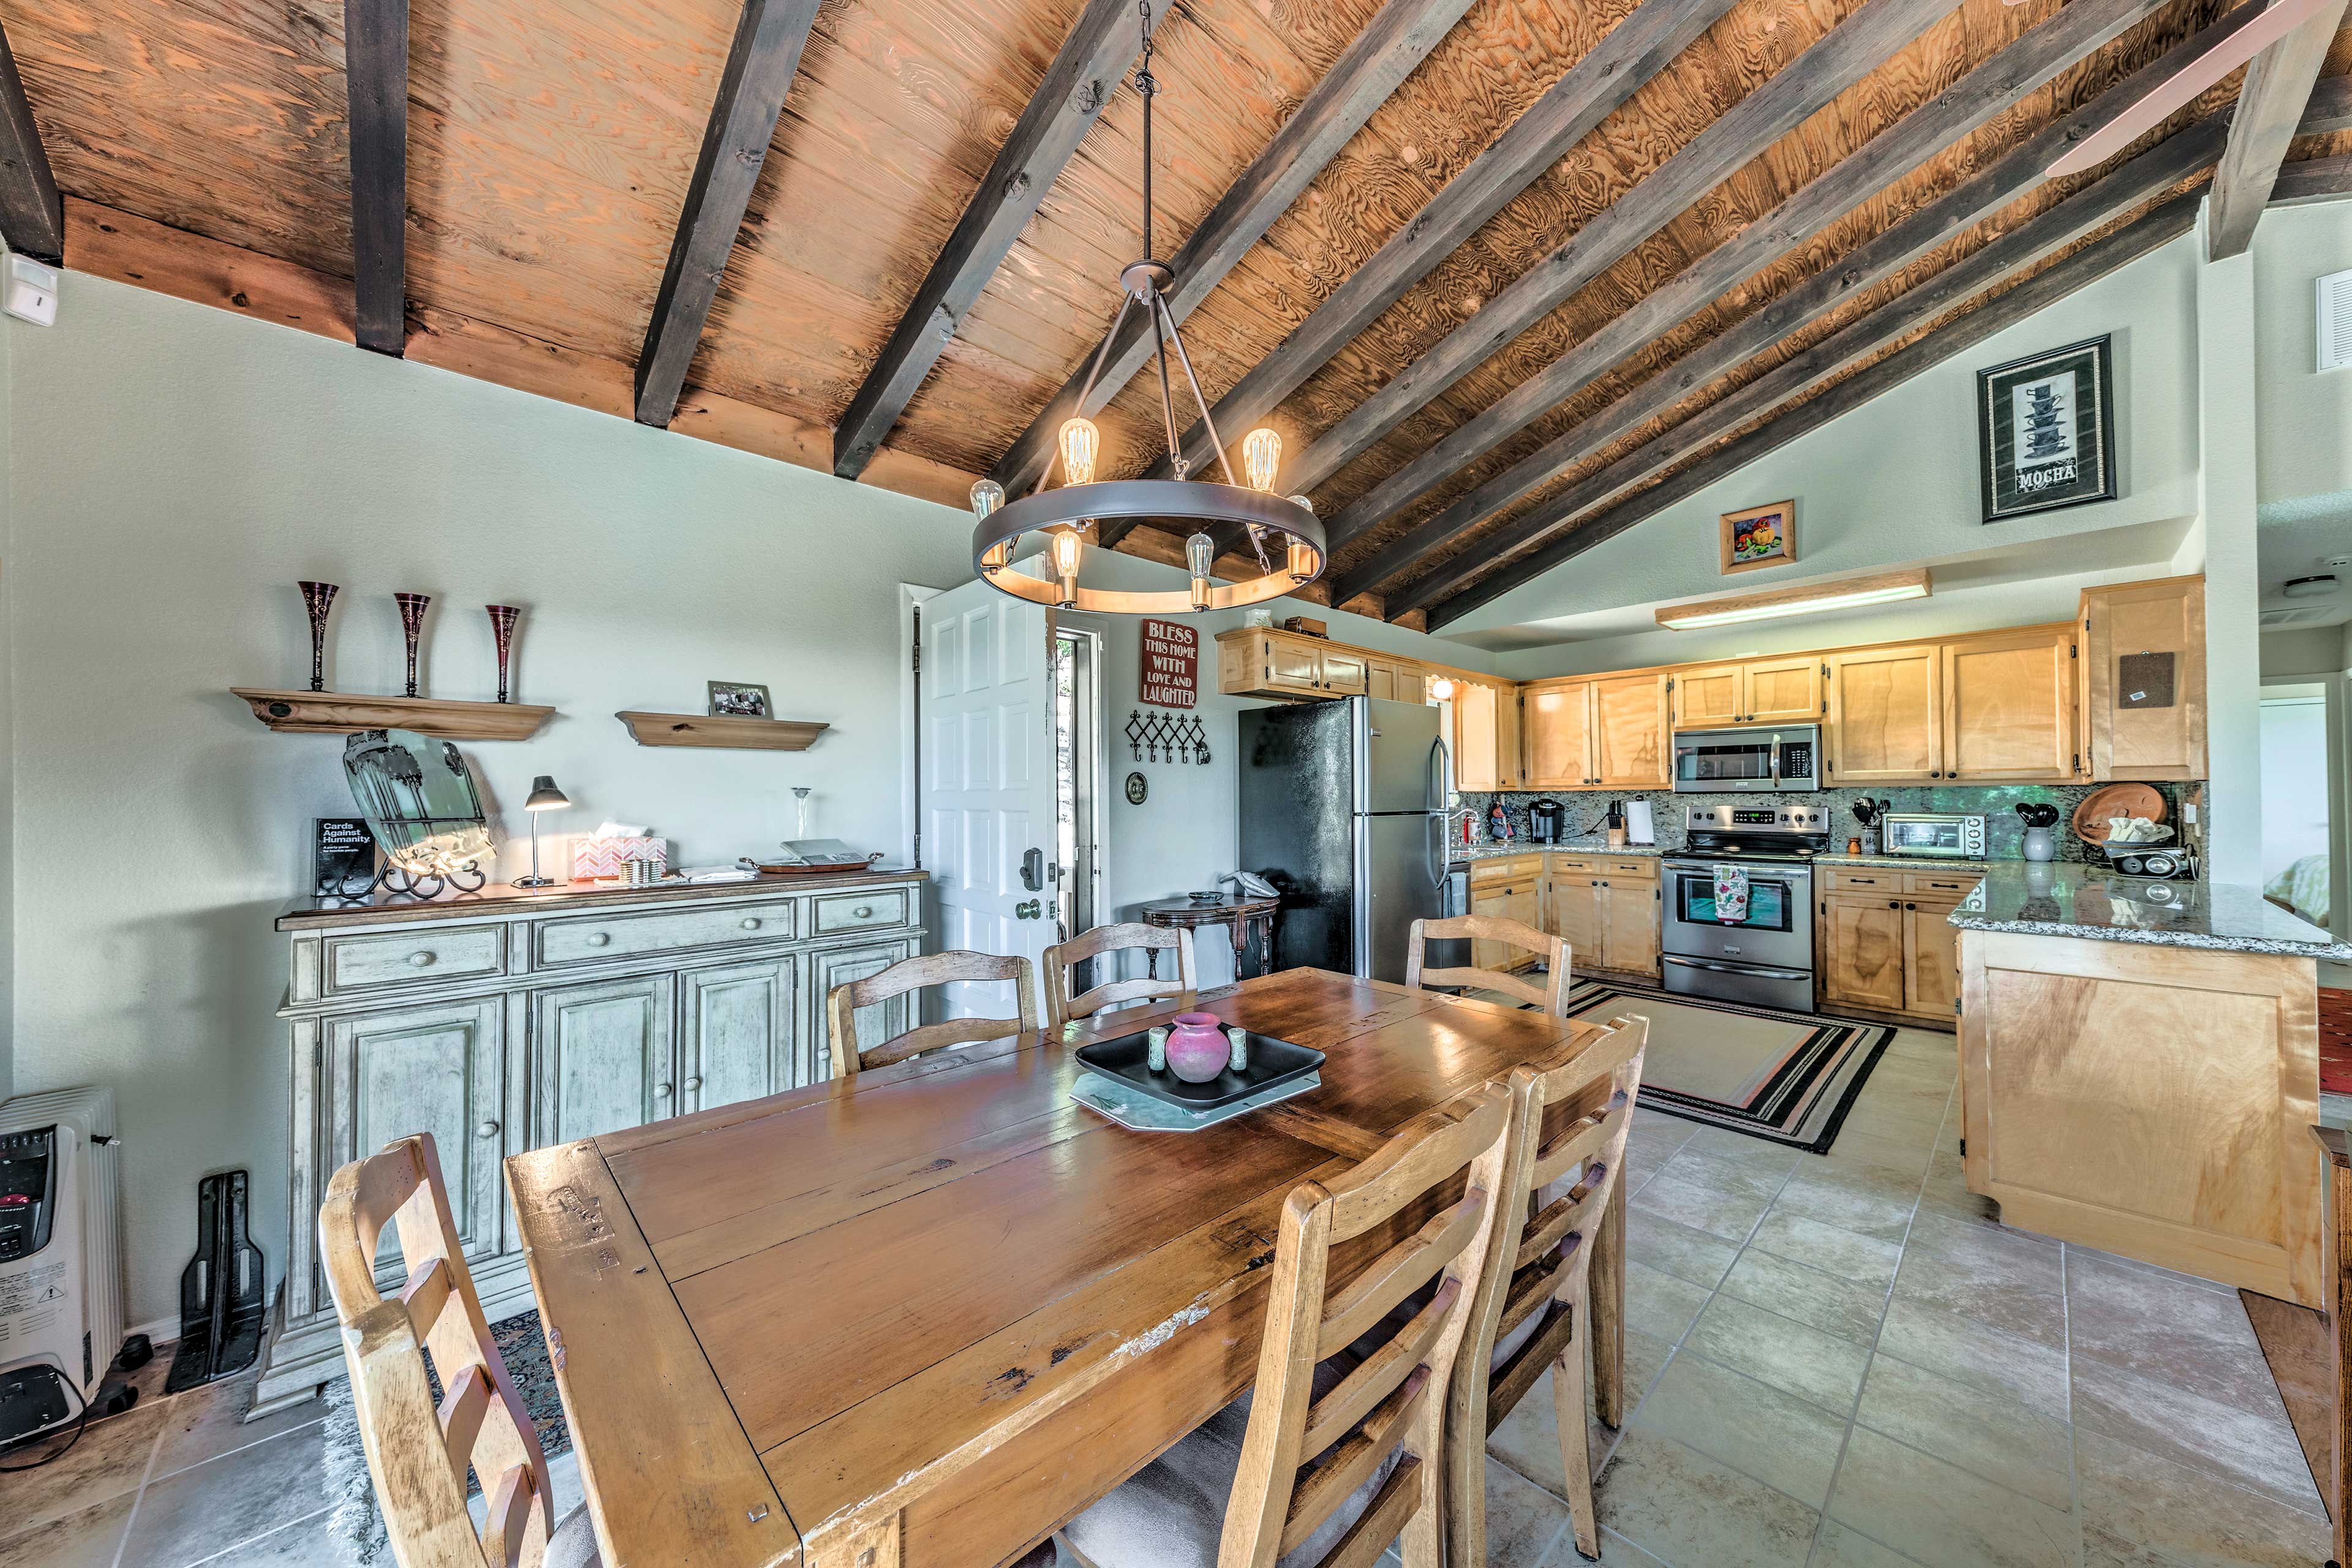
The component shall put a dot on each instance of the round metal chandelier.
(1067, 514)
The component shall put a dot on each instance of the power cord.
(82, 1424)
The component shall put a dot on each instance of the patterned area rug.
(1786, 1077)
(2335, 1040)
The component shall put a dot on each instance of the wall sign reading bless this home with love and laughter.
(1171, 664)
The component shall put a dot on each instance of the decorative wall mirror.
(420, 803)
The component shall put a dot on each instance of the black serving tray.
(1271, 1062)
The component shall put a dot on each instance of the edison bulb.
(986, 497)
(1261, 456)
(1080, 440)
(1068, 547)
(1302, 500)
(1199, 554)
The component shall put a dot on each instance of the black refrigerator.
(1343, 810)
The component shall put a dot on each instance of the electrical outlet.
(2188, 813)
(32, 291)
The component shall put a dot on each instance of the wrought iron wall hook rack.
(1169, 737)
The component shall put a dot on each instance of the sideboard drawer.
(860, 911)
(601, 938)
(437, 953)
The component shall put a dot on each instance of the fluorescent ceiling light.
(1883, 589)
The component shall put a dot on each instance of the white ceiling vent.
(2297, 616)
(2336, 320)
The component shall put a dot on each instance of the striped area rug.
(1786, 1077)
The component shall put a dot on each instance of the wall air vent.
(2336, 320)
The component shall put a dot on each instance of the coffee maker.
(1547, 822)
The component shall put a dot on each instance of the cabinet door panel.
(1629, 934)
(1630, 732)
(2009, 707)
(438, 1069)
(1885, 715)
(1293, 665)
(2145, 719)
(1784, 690)
(839, 966)
(604, 1057)
(1576, 914)
(1558, 734)
(1344, 674)
(1864, 961)
(1705, 697)
(736, 1038)
(1931, 959)
(1475, 737)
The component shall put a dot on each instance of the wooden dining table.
(923, 1315)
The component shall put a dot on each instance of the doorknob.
(1033, 869)
(1029, 910)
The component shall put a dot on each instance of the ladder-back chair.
(1551, 995)
(1062, 962)
(850, 1056)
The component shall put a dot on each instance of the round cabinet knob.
(420, 961)
(752, 925)
(1910, 906)
(1893, 904)
(600, 939)
(692, 1084)
(486, 1129)
(862, 912)
(661, 1091)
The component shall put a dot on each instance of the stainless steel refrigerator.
(1343, 810)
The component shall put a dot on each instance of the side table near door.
(1242, 917)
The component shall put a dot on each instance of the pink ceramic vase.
(1197, 1047)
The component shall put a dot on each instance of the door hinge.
(2078, 761)
(1670, 683)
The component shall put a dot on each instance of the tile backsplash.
(2004, 833)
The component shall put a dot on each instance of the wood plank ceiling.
(1576, 295)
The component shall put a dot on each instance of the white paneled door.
(987, 780)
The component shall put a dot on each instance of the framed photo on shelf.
(2045, 428)
(738, 700)
(1760, 536)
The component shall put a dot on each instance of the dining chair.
(1331, 1458)
(1551, 996)
(418, 1452)
(923, 970)
(1061, 962)
(1553, 1292)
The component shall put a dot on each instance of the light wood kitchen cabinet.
(1607, 907)
(1260, 661)
(2141, 681)
(1759, 691)
(1632, 744)
(2009, 707)
(1394, 680)
(1885, 715)
(1860, 956)
(1931, 958)
(1512, 889)
(1885, 939)
(1478, 755)
(1559, 749)
(1345, 673)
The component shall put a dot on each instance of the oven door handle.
(1756, 970)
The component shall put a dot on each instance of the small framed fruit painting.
(1760, 536)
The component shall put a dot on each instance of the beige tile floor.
(1838, 1361)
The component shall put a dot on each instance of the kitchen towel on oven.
(1730, 894)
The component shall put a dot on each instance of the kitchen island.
(2139, 1064)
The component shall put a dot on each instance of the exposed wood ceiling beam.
(1975, 198)
(760, 65)
(376, 71)
(1088, 68)
(1387, 51)
(2314, 180)
(1636, 50)
(1991, 90)
(2330, 108)
(1848, 52)
(2034, 239)
(2278, 89)
(32, 213)
(2085, 266)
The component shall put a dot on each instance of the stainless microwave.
(1750, 757)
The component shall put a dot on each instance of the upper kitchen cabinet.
(2009, 707)
(1885, 715)
(2141, 681)
(1258, 661)
(1394, 680)
(1557, 716)
(1486, 736)
(1610, 732)
(1761, 692)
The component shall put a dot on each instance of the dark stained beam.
(2314, 180)
(375, 72)
(2034, 240)
(1396, 40)
(760, 65)
(1991, 90)
(1848, 52)
(32, 213)
(1636, 50)
(1088, 68)
(2278, 89)
(2147, 233)
(1878, 257)
(2330, 108)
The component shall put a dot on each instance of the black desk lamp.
(544, 796)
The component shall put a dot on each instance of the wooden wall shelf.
(726, 733)
(343, 714)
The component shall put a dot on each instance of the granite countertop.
(1907, 862)
(564, 897)
(2072, 900)
(1491, 851)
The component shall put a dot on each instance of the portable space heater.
(60, 1256)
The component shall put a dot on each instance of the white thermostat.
(32, 291)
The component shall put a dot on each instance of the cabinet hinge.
(2078, 761)
(2074, 650)
(1670, 683)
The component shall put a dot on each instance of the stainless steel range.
(1766, 955)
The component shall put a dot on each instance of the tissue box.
(594, 859)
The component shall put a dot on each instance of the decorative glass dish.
(1272, 1063)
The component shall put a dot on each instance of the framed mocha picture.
(2045, 428)
(1760, 536)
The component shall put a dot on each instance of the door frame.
(911, 598)
(1099, 628)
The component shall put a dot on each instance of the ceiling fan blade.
(2279, 20)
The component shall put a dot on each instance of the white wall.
(2295, 776)
(175, 469)
(2227, 383)
(2304, 418)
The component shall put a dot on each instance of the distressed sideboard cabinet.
(511, 1019)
